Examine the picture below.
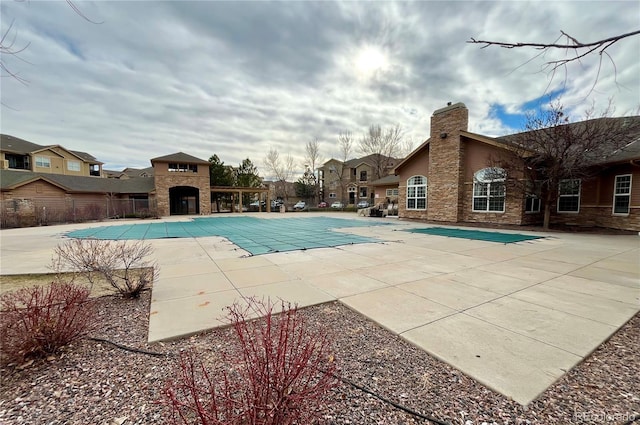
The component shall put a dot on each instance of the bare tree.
(573, 49)
(406, 147)
(9, 47)
(554, 154)
(312, 159)
(383, 146)
(345, 146)
(281, 169)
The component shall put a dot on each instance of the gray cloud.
(236, 78)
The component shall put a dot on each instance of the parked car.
(257, 204)
(300, 206)
(363, 204)
(323, 205)
(276, 203)
(337, 205)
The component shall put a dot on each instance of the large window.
(489, 190)
(622, 194)
(193, 168)
(43, 162)
(363, 192)
(417, 193)
(569, 196)
(73, 166)
(363, 176)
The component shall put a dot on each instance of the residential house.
(19, 154)
(351, 181)
(452, 177)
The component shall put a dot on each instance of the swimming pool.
(255, 235)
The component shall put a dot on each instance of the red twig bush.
(38, 320)
(277, 372)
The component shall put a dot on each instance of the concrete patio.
(515, 317)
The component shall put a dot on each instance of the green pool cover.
(475, 234)
(255, 235)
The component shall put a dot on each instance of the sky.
(130, 81)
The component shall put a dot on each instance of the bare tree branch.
(576, 51)
(575, 44)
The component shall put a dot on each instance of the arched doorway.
(184, 200)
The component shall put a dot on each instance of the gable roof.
(12, 179)
(179, 157)
(16, 145)
(19, 146)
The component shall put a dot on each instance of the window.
(392, 192)
(332, 195)
(73, 166)
(193, 168)
(532, 201)
(569, 196)
(489, 190)
(363, 176)
(417, 193)
(532, 204)
(43, 162)
(622, 194)
(363, 192)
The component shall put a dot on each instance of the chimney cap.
(447, 108)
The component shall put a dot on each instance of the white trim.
(488, 176)
(615, 184)
(48, 159)
(75, 163)
(415, 197)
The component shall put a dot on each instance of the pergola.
(239, 191)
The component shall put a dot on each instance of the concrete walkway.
(515, 317)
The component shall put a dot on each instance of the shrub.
(37, 321)
(277, 372)
(125, 265)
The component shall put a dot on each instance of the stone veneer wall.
(599, 216)
(445, 186)
(514, 207)
(165, 182)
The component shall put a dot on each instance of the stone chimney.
(446, 182)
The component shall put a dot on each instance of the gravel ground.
(94, 382)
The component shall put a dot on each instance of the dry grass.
(17, 281)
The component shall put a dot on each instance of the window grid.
(569, 196)
(489, 190)
(73, 166)
(43, 162)
(417, 193)
(622, 194)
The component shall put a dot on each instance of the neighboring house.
(351, 181)
(19, 154)
(50, 184)
(449, 178)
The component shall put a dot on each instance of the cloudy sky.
(238, 78)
